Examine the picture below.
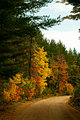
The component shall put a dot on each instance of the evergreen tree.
(61, 48)
(70, 58)
(78, 59)
(53, 49)
(74, 73)
(76, 10)
(17, 17)
(18, 26)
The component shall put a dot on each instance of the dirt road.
(54, 108)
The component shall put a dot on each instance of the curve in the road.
(54, 108)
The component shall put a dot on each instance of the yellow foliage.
(17, 79)
(40, 60)
(6, 95)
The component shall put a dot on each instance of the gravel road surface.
(54, 108)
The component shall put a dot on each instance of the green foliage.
(20, 87)
(17, 17)
(76, 10)
(74, 2)
(47, 91)
(74, 73)
(20, 33)
(75, 99)
(77, 91)
(18, 25)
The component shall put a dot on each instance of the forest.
(32, 66)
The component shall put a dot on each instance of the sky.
(67, 32)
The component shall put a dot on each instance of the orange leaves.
(16, 93)
(62, 86)
(29, 93)
(12, 94)
(63, 74)
(69, 86)
(24, 88)
(59, 73)
(38, 82)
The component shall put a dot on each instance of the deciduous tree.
(59, 73)
(40, 69)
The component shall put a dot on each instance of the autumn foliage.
(40, 69)
(60, 75)
(20, 87)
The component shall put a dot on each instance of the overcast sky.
(67, 31)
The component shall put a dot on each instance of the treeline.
(45, 67)
(71, 57)
(30, 65)
(19, 25)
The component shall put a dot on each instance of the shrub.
(75, 99)
(47, 91)
(77, 92)
(69, 89)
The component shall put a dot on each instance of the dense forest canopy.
(18, 26)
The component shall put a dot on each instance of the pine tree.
(18, 25)
(74, 73)
(76, 10)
